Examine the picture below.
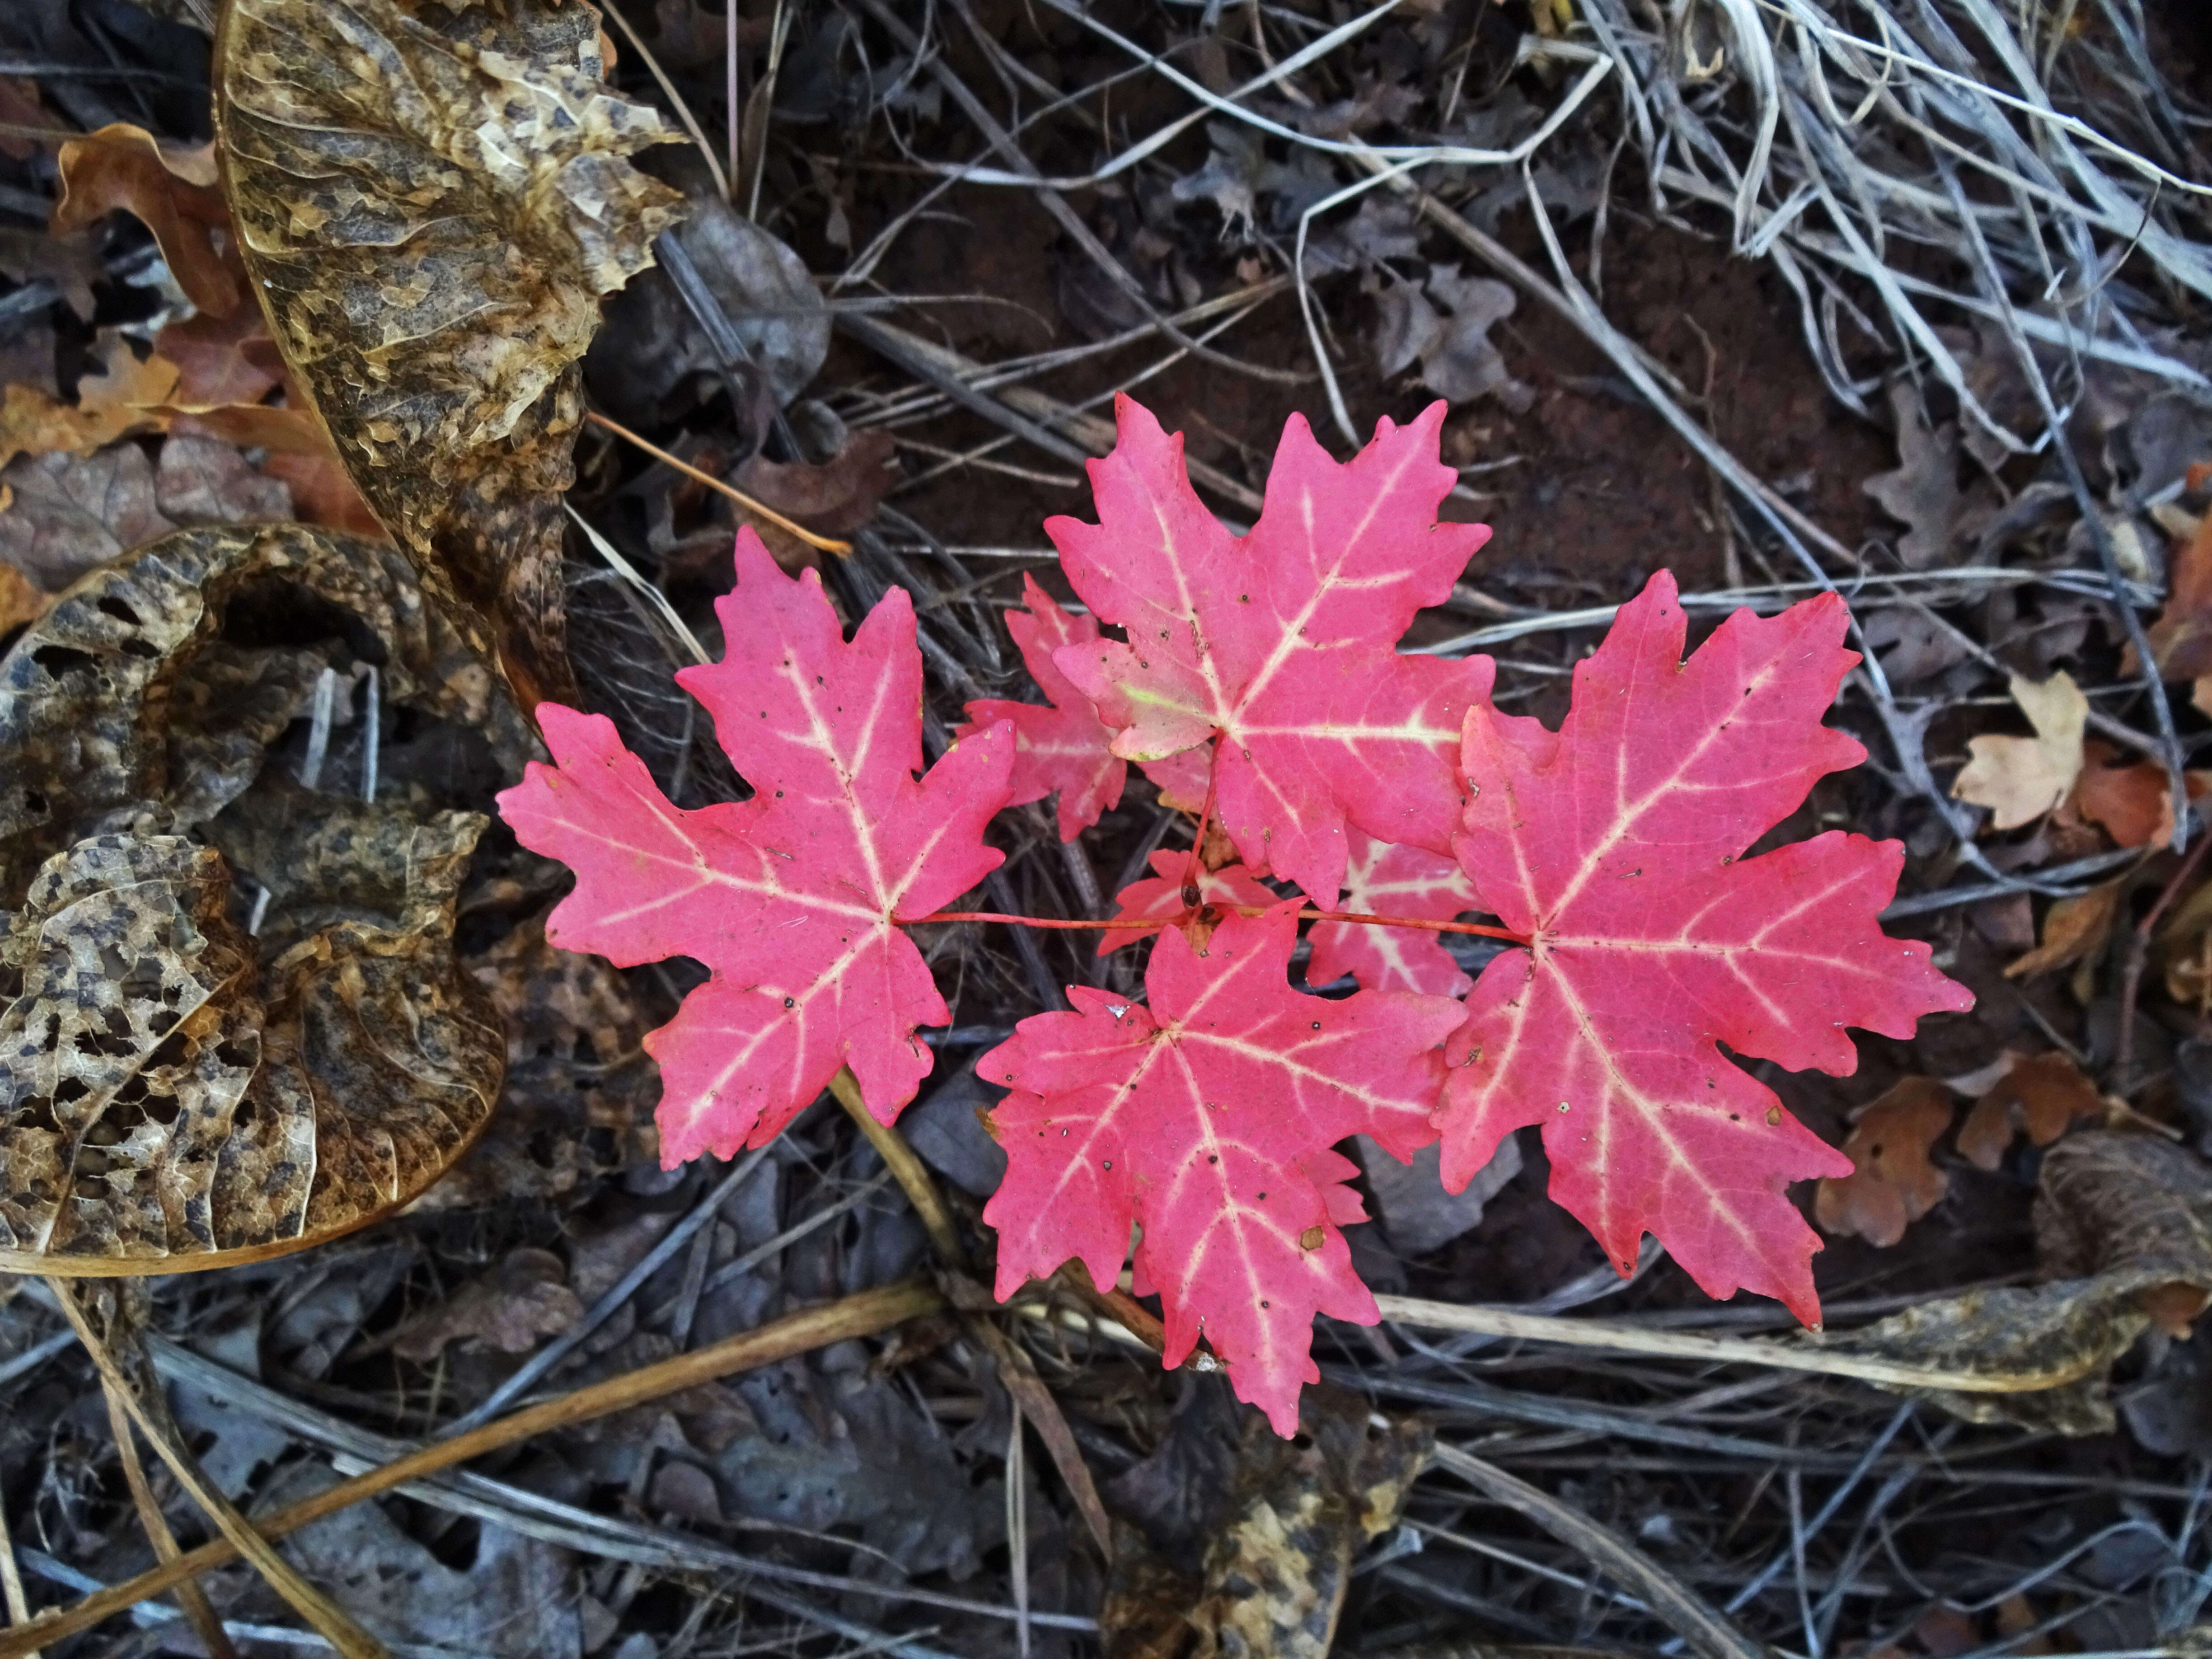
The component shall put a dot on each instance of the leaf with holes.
(1613, 845)
(1383, 880)
(1282, 642)
(794, 898)
(1064, 748)
(1207, 1118)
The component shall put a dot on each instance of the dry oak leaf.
(123, 397)
(1892, 1183)
(794, 898)
(1615, 845)
(430, 204)
(1065, 749)
(2181, 638)
(2072, 928)
(2040, 1094)
(1923, 491)
(2134, 802)
(510, 1306)
(1382, 880)
(1207, 1117)
(1282, 642)
(172, 191)
(2021, 779)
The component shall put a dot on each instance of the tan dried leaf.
(2073, 928)
(2021, 779)
(430, 205)
(171, 191)
(123, 397)
(2041, 1094)
(1893, 1183)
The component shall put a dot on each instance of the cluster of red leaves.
(1260, 673)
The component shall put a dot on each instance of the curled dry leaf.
(2122, 1226)
(1891, 1184)
(467, 170)
(2021, 779)
(2073, 928)
(2040, 1094)
(175, 1092)
(173, 191)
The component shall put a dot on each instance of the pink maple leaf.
(1282, 642)
(1065, 749)
(1207, 1118)
(1159, 897)
(1382, 880)
(794, 898)
(1613, 846)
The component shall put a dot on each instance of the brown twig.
(865, 1314)
(820, 544)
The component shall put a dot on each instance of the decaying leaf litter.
(1796, 297)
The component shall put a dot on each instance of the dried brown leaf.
(178, 1093)
(2117, 1215)
(123, 397)
(2181, 638)
(1893, 1183)
(467, 168)
(2073, 928)
(2041, 1095)
(173, 191)
(67, 513)
(1923, 490)
(510, 1308)
(2021, 779)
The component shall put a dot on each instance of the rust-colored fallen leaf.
(2181, 638)
(2131, 800)
(2041, 1095)
(171, 191)
(2072, 929)
(22, 600)
(2021, 779)
(1894, 1183)
(468, 169)
(178, 1092)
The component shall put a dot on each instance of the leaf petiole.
(1156, 924)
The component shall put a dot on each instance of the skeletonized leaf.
(430, 204)
(175, 1093)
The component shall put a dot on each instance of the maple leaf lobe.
(1208, 1117)
(1616, 844)
(792, 899)
(1282, 640)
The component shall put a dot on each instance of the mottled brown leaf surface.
(234, 1022)
(2123, 1233)
(430, 205)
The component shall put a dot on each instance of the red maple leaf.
(1207, 1118)
(1160, 898)
(1613, 845)
(794, 898)
(1065, 749)
(1282, 641)
(1382, 880)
